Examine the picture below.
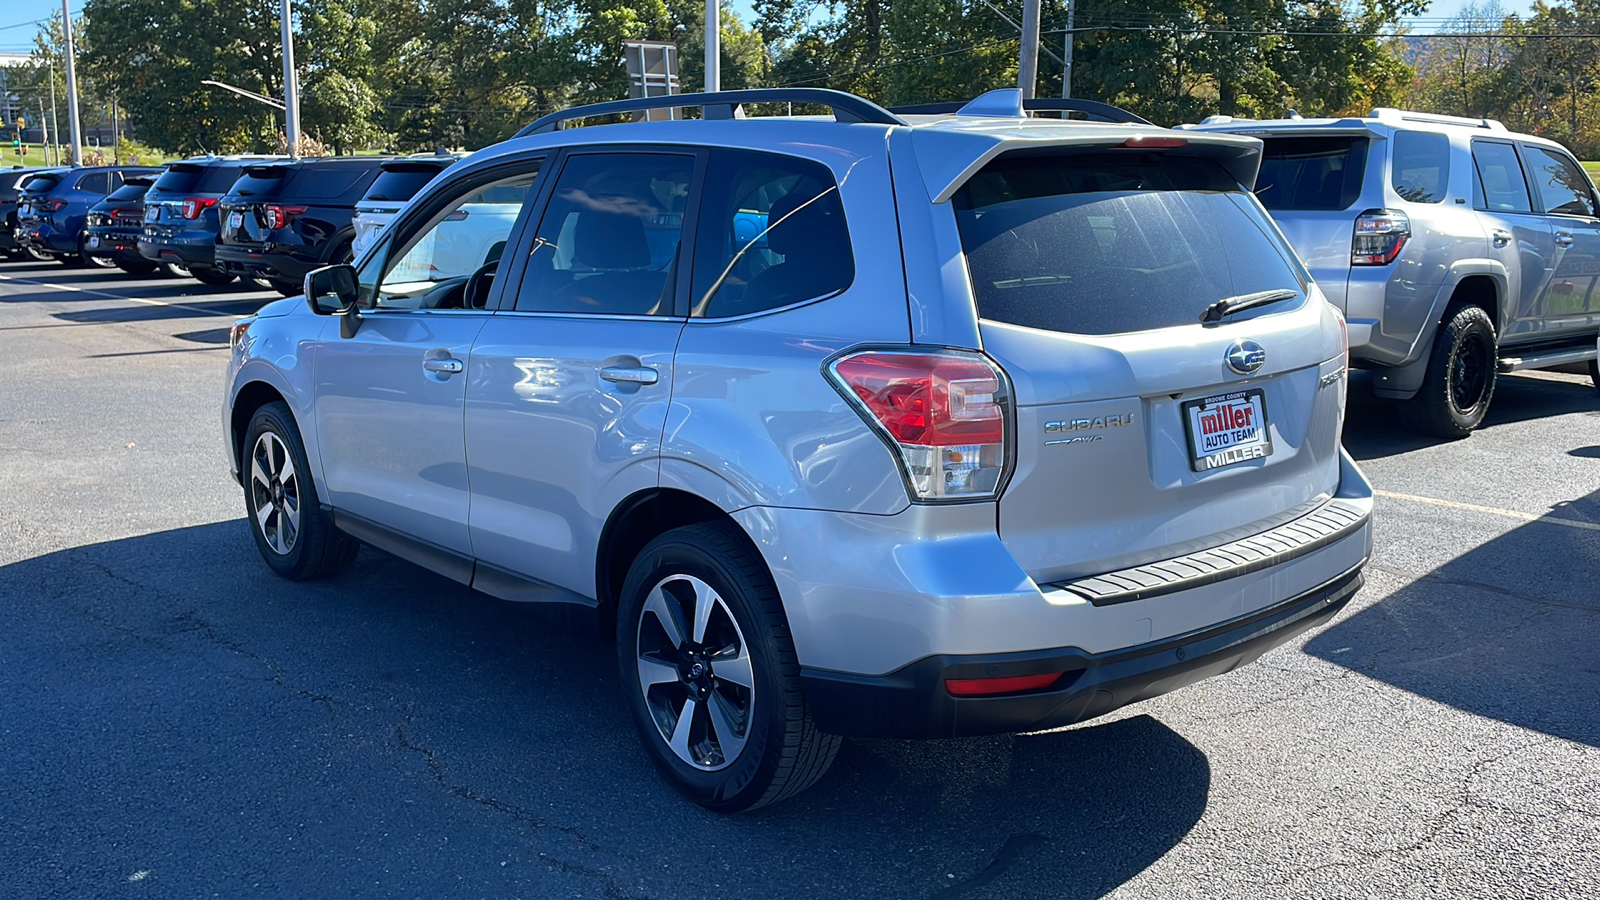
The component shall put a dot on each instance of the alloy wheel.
(275, 490)
(695, 672)
(1469, 373)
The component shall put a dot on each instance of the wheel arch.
(250, 396)
(638, 520)
(1477, 289)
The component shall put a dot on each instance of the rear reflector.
(977, 687)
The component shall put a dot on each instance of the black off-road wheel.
(1460, 379)
(213, 277)
(710, 673)
(295, 537)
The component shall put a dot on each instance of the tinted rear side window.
(401, 183)
(1311, 173)
(1107, 244)
(1420, 169)
(1499, 184)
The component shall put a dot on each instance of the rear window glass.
(258, 180)
(130, 192)
(41, 183)
(1103, 244)
(1420, 170)
(1311, 173)
(325, 182)
(398, 185)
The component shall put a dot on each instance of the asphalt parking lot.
(176, 722)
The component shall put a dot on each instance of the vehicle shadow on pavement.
(1373, 428)
(159, 313)
(1505, 631)
(166, 696)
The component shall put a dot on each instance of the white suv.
(863, 425)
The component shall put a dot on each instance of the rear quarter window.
(1419, 168)
(1311, 173)
(1104, 244)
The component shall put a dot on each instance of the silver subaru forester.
(864, 424)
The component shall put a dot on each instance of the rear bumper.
(263, 260)
(191, 250)
(43, 236)
(913, 702)
(112, 243)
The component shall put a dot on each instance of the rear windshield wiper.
(1227, 306)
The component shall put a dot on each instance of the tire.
(36, 255)
(213, 277)
(286, 288)
(780, 752)
(296, 538)
(1594, 373)
(1460, 379)
(174, 270)
(344, 254)
(142, 267)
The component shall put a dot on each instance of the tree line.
(420, 74)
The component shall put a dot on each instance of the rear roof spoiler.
(1009, 103)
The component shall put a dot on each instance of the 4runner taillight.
(1380, 233)
(944, 411)
(276, 215)
(194, 206)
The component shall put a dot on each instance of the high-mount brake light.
(1379, 235)
(278, 215)
(944, 411)
(194, 206)
(1152, 142)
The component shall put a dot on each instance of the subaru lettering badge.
(1246, 357)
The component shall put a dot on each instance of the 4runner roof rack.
(726, 105)
(1389, 114)
(1103, 112)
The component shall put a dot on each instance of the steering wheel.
(478, 284)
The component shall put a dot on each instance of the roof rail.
(725, 105)
(1103, 112)
(1389, 114)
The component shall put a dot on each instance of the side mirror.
(332, 291)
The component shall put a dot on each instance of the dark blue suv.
(180, 214)
(54, 206)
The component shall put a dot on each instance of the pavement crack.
(1015, 847)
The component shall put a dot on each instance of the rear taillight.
(945, 412)
(50, 205)
(194, 206)
(276, 215)
(1379, 235)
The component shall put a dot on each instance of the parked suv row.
(1457, 249)
(54, 206)
(11, 185)
(928, 426)
(181, 220)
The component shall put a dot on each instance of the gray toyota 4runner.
(854, 425)
(1457, 249)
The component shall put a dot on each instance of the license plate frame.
(235, 220)
(152, 213)
(1243, 421)
(93, 242)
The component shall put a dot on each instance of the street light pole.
(1028, 65)
(713, 46)
(291, 90)
(76, 147)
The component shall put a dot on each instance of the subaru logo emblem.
(1246, 357)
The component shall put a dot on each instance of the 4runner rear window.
(1311, 173)
(1110, 243)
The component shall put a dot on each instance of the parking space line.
(1491, 510)
(147, 302)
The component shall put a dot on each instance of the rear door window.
(1499, 185)
(1102, 244)
(93, 183)
(1563, 188)
(1419, 169)
(1311, 173)
(772, 233)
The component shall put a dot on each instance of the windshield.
(1106, 244)
(1311, 173)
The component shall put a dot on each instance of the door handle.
(1563, 239)
(630, 374)
(443, 366)
(1501, 237)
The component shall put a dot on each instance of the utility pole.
(116, 133)
(44, 130)
(53, 110)
(1028, 69)
(1066, 52)
(291, 88)
(713, 46)
(75, 149)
